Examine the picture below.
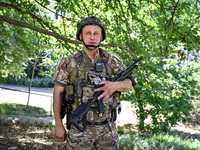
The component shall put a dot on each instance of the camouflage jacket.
(78, 73)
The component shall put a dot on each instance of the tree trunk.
(29, 89)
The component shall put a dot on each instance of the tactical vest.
(83, 79)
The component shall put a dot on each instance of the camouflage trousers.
(99, 137)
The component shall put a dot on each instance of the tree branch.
(171, 19)
(161, 7)
(197, 6)
(121, 47)
(88, 13)
(68, 19)
(21, 11)
(34, 28)
(56, 35)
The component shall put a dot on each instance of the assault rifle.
(79, 115)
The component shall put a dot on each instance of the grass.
(161, 141)
(21, 109)
(134, 140)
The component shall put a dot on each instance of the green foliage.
(154, 30)
(165, 97)
(189, 77)
(42, 82)
(129, 140)
(19, 44)
(37, 82)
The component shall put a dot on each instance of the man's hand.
(60, 133)
(110, 87)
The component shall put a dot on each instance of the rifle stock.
(63, 106)
(79, 115)
(66, 109)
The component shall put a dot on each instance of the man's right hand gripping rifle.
(78, 117)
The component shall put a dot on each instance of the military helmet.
(91, 20)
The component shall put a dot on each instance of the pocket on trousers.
(79, 139)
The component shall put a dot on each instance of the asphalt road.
(43, 97)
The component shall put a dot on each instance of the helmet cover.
(91, 20)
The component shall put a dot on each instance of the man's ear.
(101, 37)
(80, 37)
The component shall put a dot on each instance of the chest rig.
(84, 78)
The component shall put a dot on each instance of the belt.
(97, 123)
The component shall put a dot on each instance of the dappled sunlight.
(42, 141)
(28, 137)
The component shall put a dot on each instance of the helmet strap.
(88, 46)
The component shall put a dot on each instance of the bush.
(42, 82)
(37, 82)
(163, 93)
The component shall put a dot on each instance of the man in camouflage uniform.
(80, 74)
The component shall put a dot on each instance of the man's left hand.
(109, 88)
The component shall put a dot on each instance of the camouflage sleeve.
(116, 64)
(61, 75)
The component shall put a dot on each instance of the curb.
(14, 120)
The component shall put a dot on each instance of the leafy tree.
(152, 29)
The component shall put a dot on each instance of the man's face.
(91, 34)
